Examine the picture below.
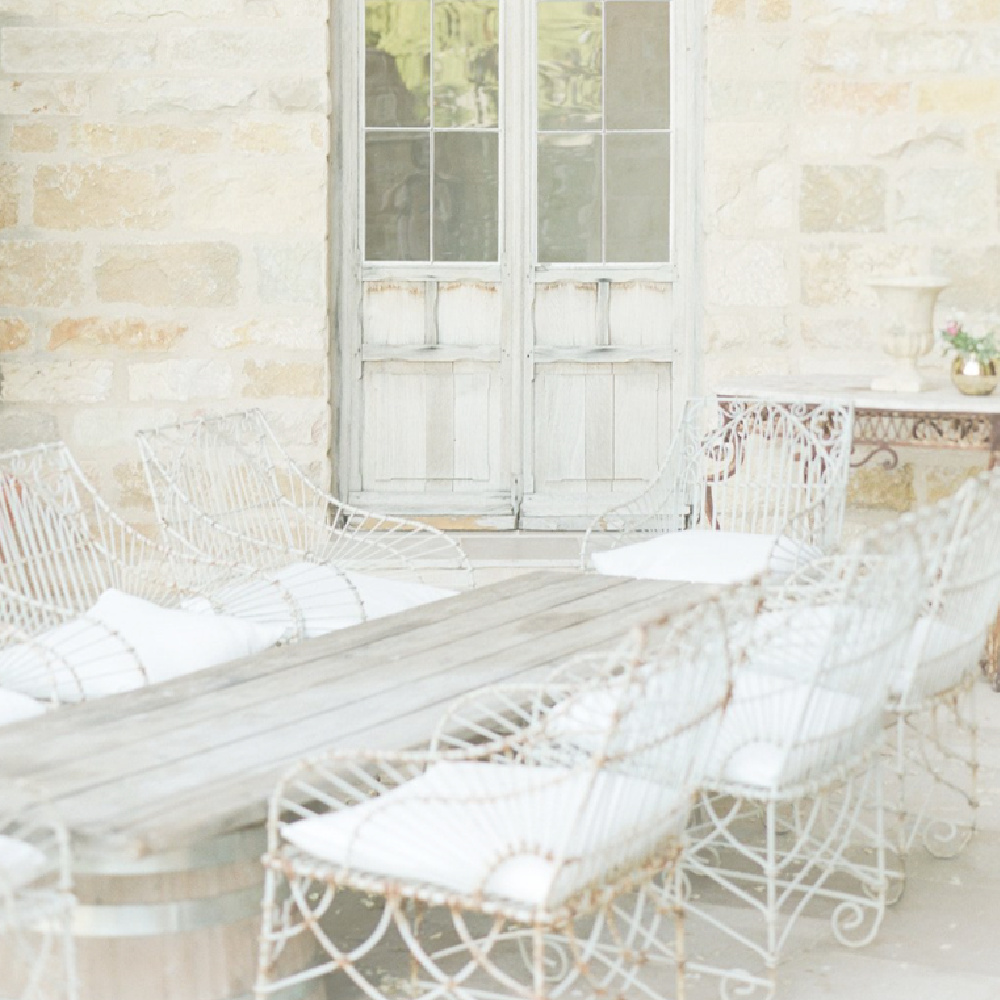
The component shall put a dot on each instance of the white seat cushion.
(773, 732)
(697, 556)
(326, 598)
(937, 658)
(20, 862)
(498, 829)
(777, 730)
(15, 706)
(124, 642)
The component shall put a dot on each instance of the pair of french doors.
(515, 253)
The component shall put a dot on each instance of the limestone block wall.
(163, 222)
(847, 138)
(164, 206)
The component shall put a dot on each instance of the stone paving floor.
(941, 941)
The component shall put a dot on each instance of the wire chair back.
(757, 464)
(224, 486)
(743, 465)
(596, 780)
(818, 661)
(218, 486)
(37, 959)
(961, 552)
(56, 544)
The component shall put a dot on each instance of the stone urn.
(906, 324)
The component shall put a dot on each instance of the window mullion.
(431, 144)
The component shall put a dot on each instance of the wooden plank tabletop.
(170, 765)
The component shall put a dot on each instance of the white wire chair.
(747, 486)
(518, 856)
(36, 900)
(90, 606)
(224, 485)
(933, 737)
(792, 811)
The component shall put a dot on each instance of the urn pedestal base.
(906, 312)
(900, 382)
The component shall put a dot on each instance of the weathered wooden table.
(164, 790)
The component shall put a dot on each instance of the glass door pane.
(604, 136)
(432, 130)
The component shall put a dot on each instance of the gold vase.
(975, 377)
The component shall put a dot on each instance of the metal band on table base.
(130, 917)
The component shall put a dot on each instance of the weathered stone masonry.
(164, 206)
(163, 221)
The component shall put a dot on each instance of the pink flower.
(953, 329)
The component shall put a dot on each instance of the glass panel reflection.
(638, 197)
(466, 63)
(569, 198)
(466, 192)
(397, 62)
(397, 196)
(569, 65)
(637, 73)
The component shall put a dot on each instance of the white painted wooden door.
(516, 275)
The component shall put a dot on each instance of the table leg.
(991, 659)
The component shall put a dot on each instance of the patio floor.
(939, 942)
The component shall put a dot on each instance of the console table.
(938, 417)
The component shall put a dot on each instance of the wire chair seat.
(225, 486)
(549, 857)
(36, 900)
(748, 486)
(91, 607)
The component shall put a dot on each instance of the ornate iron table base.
(881, 432)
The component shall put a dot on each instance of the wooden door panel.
(431, 431)
(469, 313)
(433, 436)
(393, 313)
(599, 428)
(640, 314)
(566, 314)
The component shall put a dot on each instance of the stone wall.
(847, 138)
(163, 222)
(164, 217)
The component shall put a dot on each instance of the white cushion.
(20, 862)
(123, 642)
(327, 598)
(766, 715)
(777, 730)
(15, 706)
(499, 829)
(938, 656)
(697, 556)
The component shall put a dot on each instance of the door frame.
(517, 232)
